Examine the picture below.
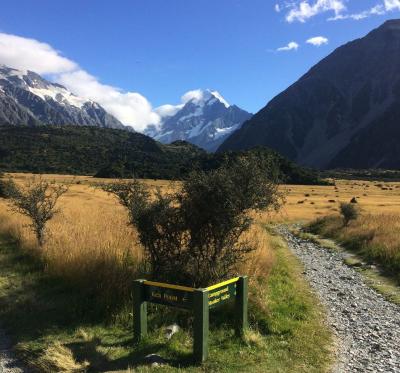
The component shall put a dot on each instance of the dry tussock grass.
(375, 236)
(59, 358)
(315, 199)
(378, 236)
(381, 230)
(90, 245)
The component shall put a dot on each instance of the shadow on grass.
(141, 355)
(39, 309)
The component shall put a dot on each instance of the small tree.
(193, 236)
(37, 201)
(349, 212)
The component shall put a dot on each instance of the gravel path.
(8, 364)
(366, 325)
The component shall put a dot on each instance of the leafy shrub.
(192, 237)
(37, 201)
(7, 187)
(349, 212)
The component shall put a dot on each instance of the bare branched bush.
(37, 201)
(193, 236)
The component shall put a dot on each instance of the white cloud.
(130, 108)
(302, 10)
(290, 47)
(392, 5)
(317, 41)
(376, 10)
(196, 95)
(168, 110)
(305, 10)
(277, 8)
(23, 53)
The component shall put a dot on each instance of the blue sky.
(160, 49)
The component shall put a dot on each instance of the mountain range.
(343, 113)
(206, 120)
(28, 99)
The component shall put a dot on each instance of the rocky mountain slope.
(205, 121)
(28, 99)
(344, 112)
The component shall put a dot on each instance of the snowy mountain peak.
(202, 97)
(203, 118)
(28, 98)
(34, 83)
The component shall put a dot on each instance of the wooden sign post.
(200, 301)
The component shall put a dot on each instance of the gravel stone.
(8, 363)
(366, 325)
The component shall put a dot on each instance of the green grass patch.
(324, 242)
(56, 329)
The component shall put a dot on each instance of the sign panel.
(222, 293)
(169, 295)
(198, 300)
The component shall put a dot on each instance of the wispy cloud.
(130, 108)
(376, 10)
(306, 9)
(392, 5)
(317, 41)
(292, 46)
(303, 10)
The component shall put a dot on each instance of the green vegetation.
(194, 236)
(364, 174)
(56, 327)
(115, 153)
(86, 150)
(349, 212)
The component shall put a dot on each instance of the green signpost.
(200, 301)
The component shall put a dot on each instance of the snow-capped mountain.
(28, 99)
(204, 118)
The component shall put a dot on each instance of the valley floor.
(366, 325)
(50, 334)
(48, 300)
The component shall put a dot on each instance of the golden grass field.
(92, 218)
(91, 229)
(90, 246)
(89, 243)
(90, 236)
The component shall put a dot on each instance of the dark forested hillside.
(116, 153)
(86, 150)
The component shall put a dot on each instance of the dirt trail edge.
(367, 326)
(8, 363)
